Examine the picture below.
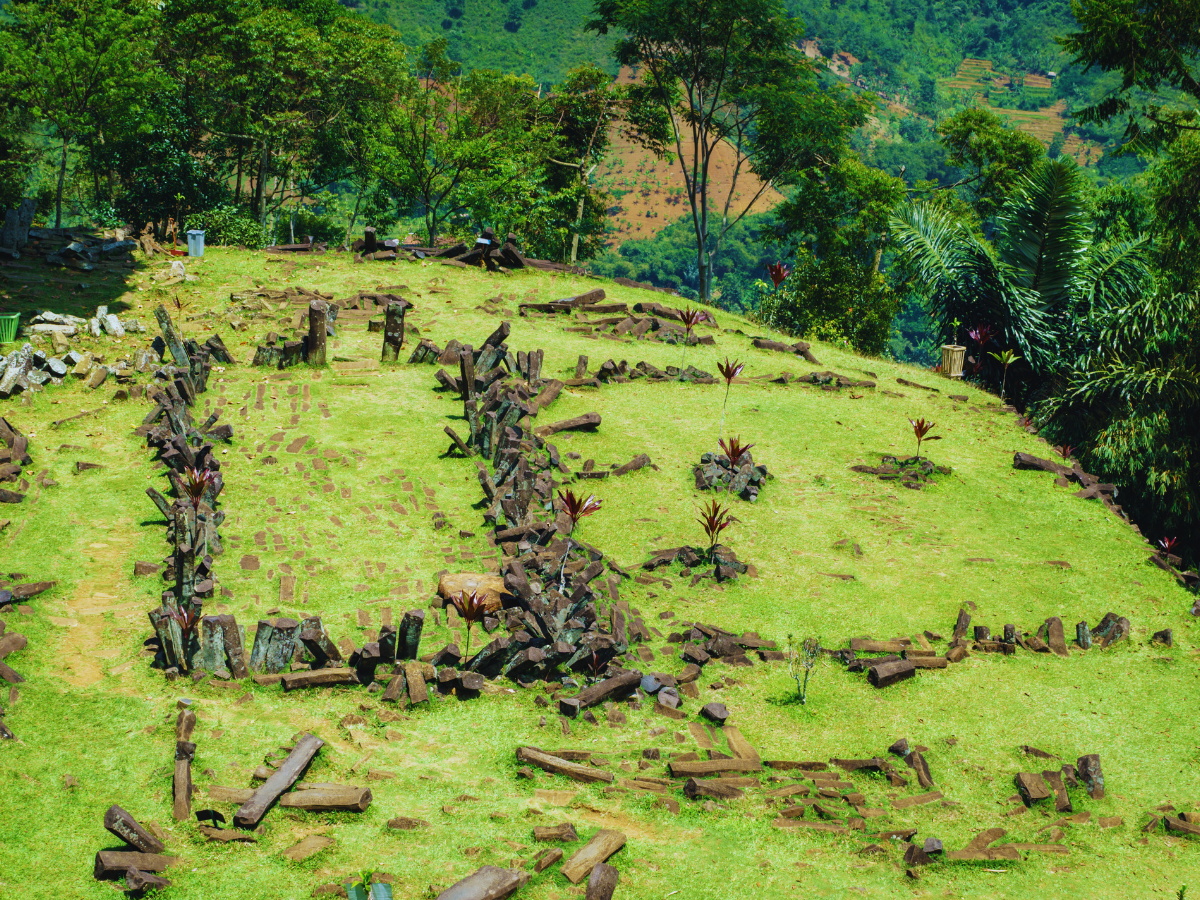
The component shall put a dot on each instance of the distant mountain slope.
(541, 38)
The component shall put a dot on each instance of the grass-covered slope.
(352, 522)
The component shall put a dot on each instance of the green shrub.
(835, 299)
(322, 226)
(228, 225)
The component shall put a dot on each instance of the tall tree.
(731, 77)
(76, 63)
(992, 157)
(587, 110)
(263, 79)
(449, 136)
(1155, 46)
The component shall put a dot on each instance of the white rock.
(113, 326)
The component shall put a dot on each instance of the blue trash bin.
(195, 242)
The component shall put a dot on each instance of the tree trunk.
(583, 177)
(237, 191)
(703, 285)
(578, 225)
(260, 188)
(353, 217)
(62, 177)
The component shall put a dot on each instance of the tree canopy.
(730, 72)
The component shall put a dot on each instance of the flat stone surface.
(309, 846)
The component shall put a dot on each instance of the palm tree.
(1042, 272)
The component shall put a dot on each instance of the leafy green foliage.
(1154, 47)
(542, 38)
(1041, 272)
(1173, 184)
(802, 656)
(229, 225)
(730, 72)
(835, 299)
(1130, 402)
(77, 66)
(914, 337)
(669, 260)
(993, 157)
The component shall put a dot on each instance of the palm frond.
(1117, 272)
(1046, 231)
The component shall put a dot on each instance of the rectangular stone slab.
(616, 686)
(1055, 637)
(1032, 787)
(124, 826)
(604, 844)
(889, 673)
(558, 766)
(929, 662)
(219, 793)
(701, 767)
(318, 678)
(738, 745)
(1062, 802)
(810, 824)
(114, 863)
(252, 811)
(918, 800)
(487, 883)
(865, 645)
(333, 797)
(1003, 852)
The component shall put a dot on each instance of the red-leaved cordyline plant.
(981, 334)
(778, 272)
(188, 620)
(576, 506)
(1167, 545)
(196, 481)
(735, 450)
(690, 319)
(714, 518)
(921, 430)
(1065, 451)
(729, 371)
(471, 607)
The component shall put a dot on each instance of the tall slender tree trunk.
(700, 167)
(237, 191)
(353, 216)
(260, 188)
(578, 225)
(62, 177)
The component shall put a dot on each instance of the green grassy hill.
(356, 533)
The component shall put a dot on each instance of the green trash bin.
(8, 327)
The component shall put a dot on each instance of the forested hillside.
(540, 38)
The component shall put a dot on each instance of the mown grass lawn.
(352, 523)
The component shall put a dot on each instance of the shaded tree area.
(264, 119)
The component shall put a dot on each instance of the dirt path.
(86, 656)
